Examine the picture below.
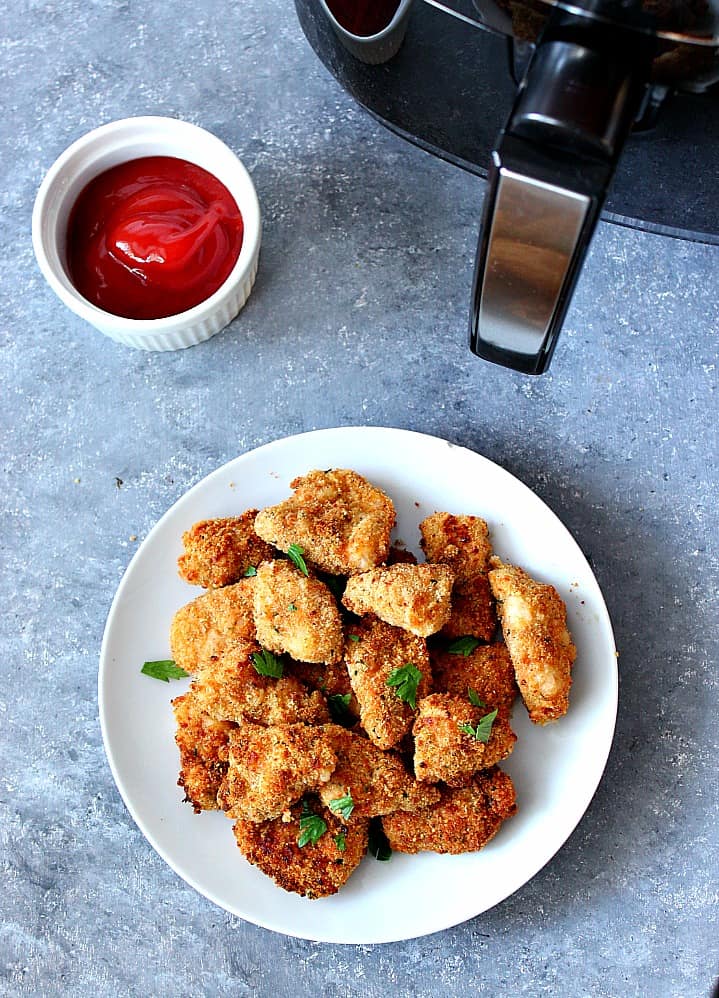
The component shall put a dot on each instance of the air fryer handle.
(547, 183)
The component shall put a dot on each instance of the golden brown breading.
(414, 597)
(464, 820)
(379, 650)
(218, 552)
(473, 610)
(337, 517)
(443, 751)
(400, 556)
(462, 542)
(206, 627)
(488, 670)
(333, 680)
(296, 614)
(377, 781)
(203, 745)
(230, 689)
(314, 870)
(534, 623)
(271, 768)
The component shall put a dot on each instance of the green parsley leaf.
(341, 841)
(463, 646)
(164, 669)
(474, 698)
(344, 806)
(267, 664)
(483, 729)
(338, 704)
(292, 607)
(312, 827)
(249, 572)
(406, 679)
(294, 553)
(353, 637)
(378, 844)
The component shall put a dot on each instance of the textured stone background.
(358, 316)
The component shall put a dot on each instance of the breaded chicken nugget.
(462, 542)
(473, 610)
(296, 614)
(230, 689)
(445, 744)
(314, 870)
(400, 556)
(206, 627)
(271, 768)
(534, 623)
(414, 597)
(334, 681)
(487, 670)
(337, 517)
(218, 552)
(377, 781)
(373, 651)
(464, 820)
(203, 745)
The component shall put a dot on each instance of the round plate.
(556, 769)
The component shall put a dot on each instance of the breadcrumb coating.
(414, 597)
(333, 680)
(271, 768)
(488, 670)
(340, 520)
(314, 870)
(373, 650)
(464, 820)
(377, 781)
(473, 610)
(230, 689)
(218, 552)
(534, 624)
(203, 744)
(295, 614)
(462, 542)
(212, 623)
(444, 752)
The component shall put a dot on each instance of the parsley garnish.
(474, 698)
(378, 844)
(312, 827)
(406, 680)
(292, 607)
(354, 637)
(267, 664)
(483, 729)
(463, 646)
(344, 806)
(294, 553)
(338, 704)
(249, 572)
(164, 669)
(341, 841)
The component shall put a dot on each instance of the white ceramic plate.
(556, 769)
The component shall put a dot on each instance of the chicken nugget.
(414, 597)
(400, 556)
(319, 867)
(296, 614)
(271, 768)
(340, 520)
(376, 781)
(333, 680)
(534, 624)
(473, 610)
(231, 689)
(206, 627)
(218, 552)
(487, 670)
(203, 744)
(464, 820)
(374, 653)
(451, 742)
(462, 542)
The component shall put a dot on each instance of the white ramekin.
(118, 142)
(379, 48)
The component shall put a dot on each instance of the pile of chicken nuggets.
(340, 689)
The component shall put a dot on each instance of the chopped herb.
(338, 704)
(483, 729)
(267, 664)
(164, 669)
(474, 698)
(463, 646)
(406, 680)
(354, 637)
(292, 607)
(378, 844)
(341, 841)
(312, 827)
(294, 553)
(249, 572)
(344, 806)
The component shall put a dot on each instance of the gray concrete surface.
(358, 316)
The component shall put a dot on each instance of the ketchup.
(364, 17)
(152, 237)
